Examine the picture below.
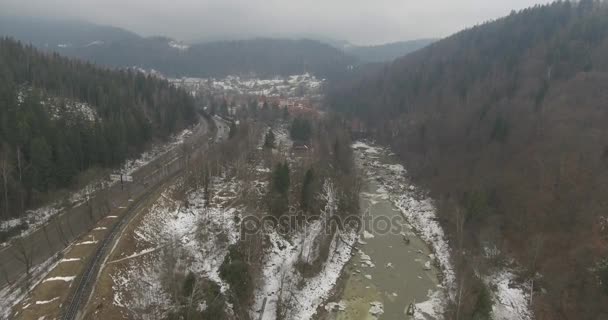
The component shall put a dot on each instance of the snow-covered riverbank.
(420, 216)
(281, 279)
(283, 286)
(510, 299)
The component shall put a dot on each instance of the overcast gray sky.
(358, 21)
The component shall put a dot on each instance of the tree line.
(41, 151)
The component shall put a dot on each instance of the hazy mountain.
(119, 48)
(375, 53)
(505, 123)
(386, 52)
(49, 33)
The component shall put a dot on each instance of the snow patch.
(283, 285)
(86, 242)
(13, 294)
(94, 43)
(510, 299)
(47, 301)
(360, 145)
(135, 255)
(336, 306)
(280, 277)
(432, 308)
(376, 308)
(178, 45)
(64, 279)
(155, 152)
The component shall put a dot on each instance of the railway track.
(86, 281)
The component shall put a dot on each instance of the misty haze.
(316, 160)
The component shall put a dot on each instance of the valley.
(396, 162)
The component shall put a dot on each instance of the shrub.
(269, 139)
(483, 306)
(235, 271)
(301, 129)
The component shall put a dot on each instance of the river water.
(390, 270)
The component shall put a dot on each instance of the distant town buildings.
(300, 94)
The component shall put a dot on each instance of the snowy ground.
(12, 295)
(58, 108)
(281, 278)
(130, 166)
(283, 287)
(283, 141)
(196, 240)
(147, 72)
(510, 298)
(178, 45)
(432, 308)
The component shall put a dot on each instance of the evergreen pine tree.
(269, 140)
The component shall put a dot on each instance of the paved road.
(68, 226)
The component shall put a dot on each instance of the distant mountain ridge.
(376, 53)
(387, 52)
(50, 33)
(116, 47)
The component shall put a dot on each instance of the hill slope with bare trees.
(505, 123)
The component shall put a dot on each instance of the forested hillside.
(59, 117)
(506, 124)
(262, 57)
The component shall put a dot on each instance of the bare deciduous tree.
(5, 171)
(23, 252)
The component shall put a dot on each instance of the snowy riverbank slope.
(285, 290)
(510, 300)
